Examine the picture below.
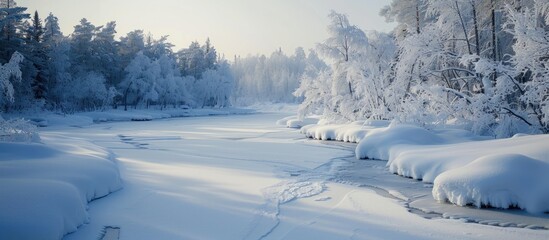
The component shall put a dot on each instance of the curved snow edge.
(47, 187)
(501, 181)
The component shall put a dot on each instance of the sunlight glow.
(238, 27)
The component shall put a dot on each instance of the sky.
(235, 27)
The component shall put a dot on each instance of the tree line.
(90, 69)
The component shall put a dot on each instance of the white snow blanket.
(466, 169)
(499, 173)
(295, 122)
(45, 187)
(352, 132)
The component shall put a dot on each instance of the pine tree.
(39, 58)
(52, 31)
(11, 18)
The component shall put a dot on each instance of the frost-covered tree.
(59, 68)
(526, 92)
(214, 88)
(105, 58)
(87, 92)
(409, 14)
(138, 85)
(52, 30)
(9, 72)
(171, 86)
(195, 60)
(315, 91)
(273, 78)
(130, 45)
(345, 39)
(81, 46)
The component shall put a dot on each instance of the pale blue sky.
(234, 26)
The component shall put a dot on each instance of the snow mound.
(353, 132)
(295, 122)
(427, 162)
(464, 168)
(45, 187)
(502, 181)
(379, 143)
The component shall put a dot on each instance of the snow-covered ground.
(244, 177)
(50, 119)
(45, 187)
(466, 169)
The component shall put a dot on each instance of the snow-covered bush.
(17, 130)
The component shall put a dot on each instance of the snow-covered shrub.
(17, 130)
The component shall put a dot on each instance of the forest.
(480, 65)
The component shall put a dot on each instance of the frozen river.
(243, 177)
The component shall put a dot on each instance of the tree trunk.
(417, 17)
(494, 39)
(475, 21)
(126, 96)
(477, 41)
(464, 28)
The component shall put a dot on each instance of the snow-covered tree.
(171, 86)
(59, 69)
(52, 30)
(529, 86)
(409, 14)
(87, 91)
(11, 19)
(81, 46)
(104, 51)
(9, 72)
(271, 79)
(214, 88)
(130, 45)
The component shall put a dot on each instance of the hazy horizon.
(241, 27)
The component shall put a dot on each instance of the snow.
(295, 122)
(466, 169)
(46, 187)
(219, 177)
(501, 180)
(45, 119)
(352, 132)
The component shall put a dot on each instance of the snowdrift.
(502, 181)
(466, 169)
(295, 122)
(45, 187)
(353, 132)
